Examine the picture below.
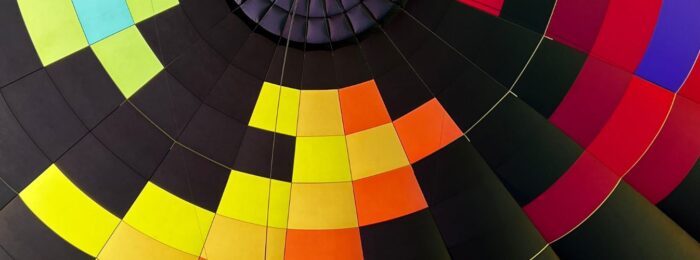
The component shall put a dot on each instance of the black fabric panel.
(547, 254)
(6, 194)
(167, 103)
(4, 255)
(406, 33)
(17, 55)
(549, 76)
(24, 236)
(283, 161)
(101, 175)
(86, 86)
(255, 153)
(44, 114)
(350, 66)
(192, 178)
(204, 14)
(20, 160)
(228, 36)
(318, 72)
(627, 226)
(531, 14)
(380, 54)
(169, 34)
(476, 215)
(133, 139)
(525, 150)
(470, 96)
(255, 55)
(682, 205)
(214, 135)
(293, 67)
(414, 236)
(438, 65)
(497, 46)
(428, 12)
(235, 94)
(198, 69)
(402, 91)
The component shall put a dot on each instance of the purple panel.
(317, 31)
(317, 8)
(274, 20)
(675, 45)
(359, 19)
(340, 30)
(255, 9)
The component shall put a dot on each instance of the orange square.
(388, 196)
(323, 244)
(425, 130)
(362, 107)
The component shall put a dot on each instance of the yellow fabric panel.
(275, 243)
(144, 9)
(128, 59)
(235, 239)
(169, 219)
(129, 243)
(265, 111)
(321, 159)
(279, 204)
(375, 151)
(273, 98)
(319, 113)
(245, 198)
(322, 206)
(68, 211)
(54, 28)
(289, 111)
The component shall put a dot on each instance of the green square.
(128, 59)
(144, 9)
(53, 27)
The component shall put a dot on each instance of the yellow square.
(375, 151)
(321, 159)
(319, 113)
(274, 98)
(246, 198)
(169, 219)
(322, 206)
(69, 212)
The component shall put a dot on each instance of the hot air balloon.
(349, 129)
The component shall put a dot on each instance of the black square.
(86, 85)
(44, 114)
(133, 139)
(102, 175)
(214, 135)
(167, 103)
(192, 178)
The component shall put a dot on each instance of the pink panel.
(490, 6)
(572, 198)
(626, 32)
(633, 126)
(566, 26)
(591, 100)
(673, 154)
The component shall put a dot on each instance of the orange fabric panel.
(362, 107)
(323, 244)
(388, 196)
(425, 130)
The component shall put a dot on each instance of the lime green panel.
(128, 59)
(54, 28)
(144, 9)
